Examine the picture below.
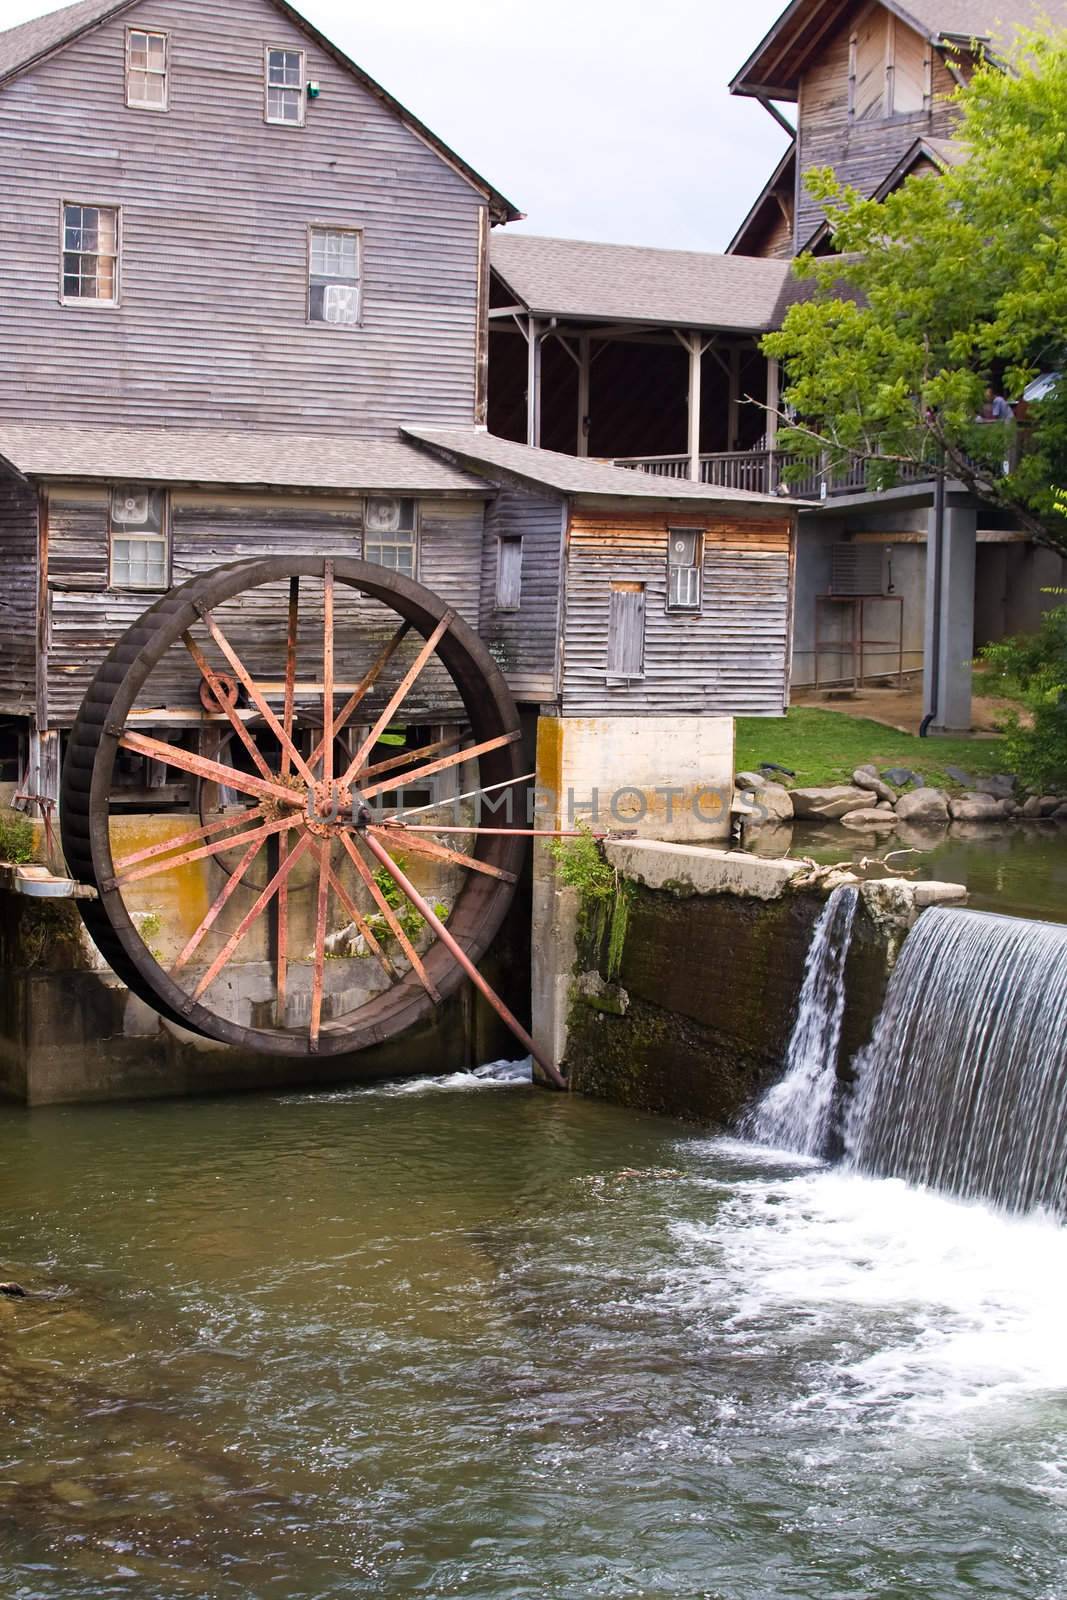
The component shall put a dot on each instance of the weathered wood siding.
(209, 529)
(211, 330)
(524, 642)
(18, 594)
(730, 660)
(861, 153)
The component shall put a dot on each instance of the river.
(465, 1338)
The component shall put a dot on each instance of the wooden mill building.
(247, 310)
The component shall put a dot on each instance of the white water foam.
(492, 1075)
(926, 1312)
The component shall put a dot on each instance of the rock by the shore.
(776, 803)
(923, 808)
(751, 780)
(902, 775)
(864, 779)
(974, 807)
(830, 803)
(869, 817)
(1001, 785)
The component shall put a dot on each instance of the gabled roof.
(631, 283)
(940, 153)
(202, 455)
(782, 180)
(773, 69)
(23, 47)
(480, 451)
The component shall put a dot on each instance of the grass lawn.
(824, 747)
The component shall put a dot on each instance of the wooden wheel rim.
(483, 901)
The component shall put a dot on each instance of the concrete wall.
(663, 777)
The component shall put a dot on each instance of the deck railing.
(763, 472)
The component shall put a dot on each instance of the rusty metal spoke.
(264, 900)
(187, 857)
(407, 756)
(221, 900)
(420, 774)
(203, 767)
(397, 698)
(319, 973)
(363, 688)
(429, 915)
(254, 694)
(208, 831)
(441, 852)
(289, 703)
(207, 672)
(327, 674)
(390, 915)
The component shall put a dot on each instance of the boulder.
(750, 780)
(775, 802)
(974, 807)
(1031, 808)
(934, 893)
(958, 775)
(902, 775)
(870, 769)
(1001, 785)
(836, 801)
(863, 779)
(869, 817)
(923, 808)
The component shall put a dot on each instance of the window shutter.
(509, 574)
(626, 631)
(910, 62)
(869, 57)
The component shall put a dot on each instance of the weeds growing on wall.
(406, 915)
(16, 838)
(604, 896)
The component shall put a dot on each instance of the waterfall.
(964, 1084)
(797, 1113)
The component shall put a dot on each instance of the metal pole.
(427, 912)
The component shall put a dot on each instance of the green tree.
(947, 285)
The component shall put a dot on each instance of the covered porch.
(648, 358)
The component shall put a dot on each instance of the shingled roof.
(22, 47)
(773, 69)
(632, 283)
(477, 450)
(202, 455)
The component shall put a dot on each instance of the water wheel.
(298, 668)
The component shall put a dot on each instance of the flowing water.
(465, 1338)
(964, 1084)
(797, 1112)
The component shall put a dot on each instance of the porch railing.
(763, 472)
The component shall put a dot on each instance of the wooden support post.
(584, 371)
(533, 382)
(774, 387)
(695, 346)
(733, 414)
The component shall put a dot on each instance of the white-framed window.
(285, 86)
(890, 69)
(684, 569)
(139, 538)
(335, 260)
(89, 253)
(146, 69)
(391, 534)
(509, 573)
(626, 633)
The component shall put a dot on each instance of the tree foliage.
(950, 283)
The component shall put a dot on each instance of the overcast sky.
(600, 119)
